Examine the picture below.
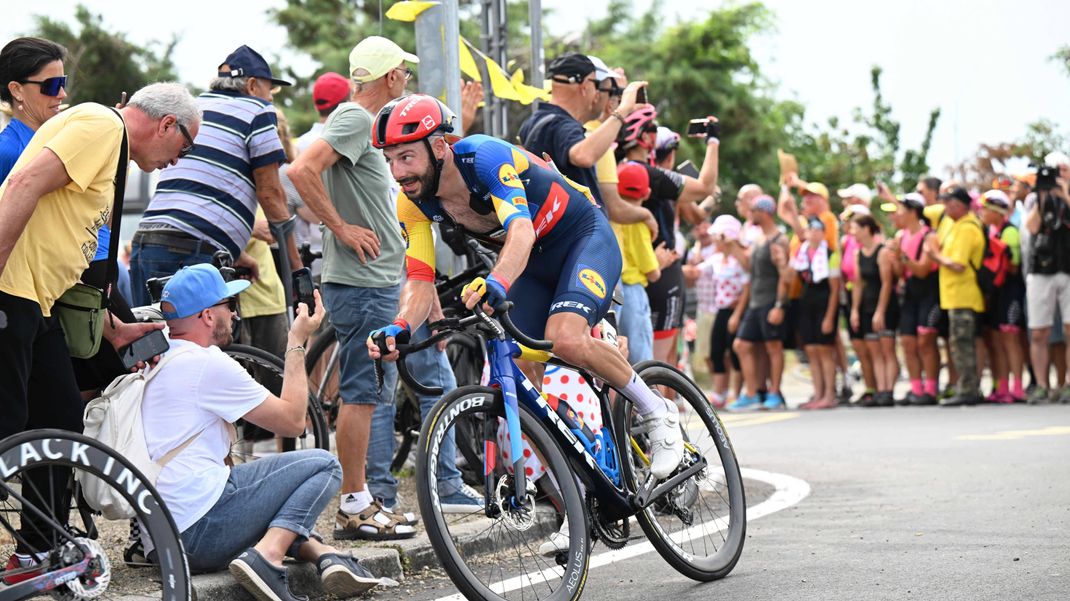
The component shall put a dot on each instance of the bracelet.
(619, 118)
(294, 348)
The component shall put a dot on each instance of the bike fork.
(501, 372)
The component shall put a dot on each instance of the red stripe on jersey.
(418, 270)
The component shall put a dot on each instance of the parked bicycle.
(559, 469)
(77, 560)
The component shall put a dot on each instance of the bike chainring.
(613, 535)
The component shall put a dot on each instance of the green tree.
(102, 64)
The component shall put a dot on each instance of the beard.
(223, 333)
(426, 181)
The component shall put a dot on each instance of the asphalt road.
(904, 503)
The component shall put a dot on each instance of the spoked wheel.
(39, 467)
(322, 366)
(255, 442)
(498, 557)
(699, 526)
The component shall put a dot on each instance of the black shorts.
(755, 326)
(666, 296)
(790, 328)
(919, 313)
(1008, 312)
(891, 322)
(811, 314)
(852, 333)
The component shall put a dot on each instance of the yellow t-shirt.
(266, 296)
(964, 243)
(933, 213)
(60, 238)
(637, 252)
(606, 167)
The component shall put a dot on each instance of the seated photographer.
(249, 516)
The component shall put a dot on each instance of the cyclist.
(558, 252)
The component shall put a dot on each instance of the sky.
(983, 62)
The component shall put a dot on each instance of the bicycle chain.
(614, 536)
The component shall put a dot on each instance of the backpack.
(114, 419)
(995, 263)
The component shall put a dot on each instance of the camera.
(1046, 175)
(703, 128)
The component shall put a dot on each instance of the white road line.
(789, 491)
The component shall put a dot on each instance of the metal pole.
(535, 19)
(437, 39)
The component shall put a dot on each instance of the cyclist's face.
(410, 164)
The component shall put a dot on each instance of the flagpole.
(535, 18)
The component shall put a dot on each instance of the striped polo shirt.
(210, 193)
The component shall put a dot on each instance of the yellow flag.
(468, 64)
(408, 10)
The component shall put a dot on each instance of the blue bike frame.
(593, 473)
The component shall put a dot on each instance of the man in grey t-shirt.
(345, 181)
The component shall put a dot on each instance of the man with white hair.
(207, 202)
(59, 193)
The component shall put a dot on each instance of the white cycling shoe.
(665, 439)
(558, 542)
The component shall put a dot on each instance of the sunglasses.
(50, 86)
(231, 302)
(188, 148)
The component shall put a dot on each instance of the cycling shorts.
(578, 277)
(916, 315)
(667, 299)
(891, 322)
(755, 326)
(1008, 310)
(811, 316)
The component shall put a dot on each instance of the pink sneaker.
(1005, 399)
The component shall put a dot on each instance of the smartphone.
(144, 348)
(303, 290)
(640, 96)
(696, 128)
(687, 168)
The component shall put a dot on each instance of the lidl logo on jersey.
(507, 175)
(593, 282)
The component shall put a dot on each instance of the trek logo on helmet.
(428, 122)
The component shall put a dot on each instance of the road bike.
(559, 471)
(39, 471)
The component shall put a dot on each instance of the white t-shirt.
(202, 390)
(306, 139)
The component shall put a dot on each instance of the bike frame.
(516, 388)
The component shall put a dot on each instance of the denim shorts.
(355, 312)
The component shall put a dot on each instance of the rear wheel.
(699, 526)
(40, 465)
(498, 557)
(254, 442)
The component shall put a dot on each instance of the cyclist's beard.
(223, 334)
(427, 181)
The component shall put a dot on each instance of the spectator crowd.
(947, 280)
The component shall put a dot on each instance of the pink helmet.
(636, 124)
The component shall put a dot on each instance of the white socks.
(356, 502)
(646, 401)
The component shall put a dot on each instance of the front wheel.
(499, 558)
(699, 526)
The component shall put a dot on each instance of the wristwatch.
(779, 305)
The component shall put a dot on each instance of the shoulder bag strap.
(112, 272)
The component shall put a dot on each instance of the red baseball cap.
(330, 90)
(633, 181)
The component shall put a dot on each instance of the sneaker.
(962, 399)
(665, 440)
(884, 399)
(1038, 396)
(907, 400)
(462, 500)
(264, 581)
(406, 517)
(925, 399)
(1064, 395)
(773, 400)
(16, 563)
(557, 543)
(745, 402)
(343, 576)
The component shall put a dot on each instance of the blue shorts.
(354, 313)
(577, 276)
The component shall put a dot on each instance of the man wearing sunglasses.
(207, 201)
(59, 193)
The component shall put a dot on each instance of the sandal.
(374, 523)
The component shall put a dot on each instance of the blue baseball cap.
(197, 287)
(246, 62)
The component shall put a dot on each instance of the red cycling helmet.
(411, 119)
(636, 124)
